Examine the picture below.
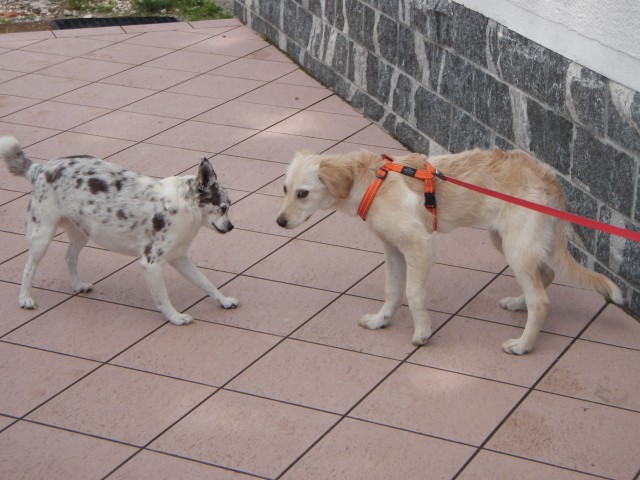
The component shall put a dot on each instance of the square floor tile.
(338, 326)
(585, 372)
(175, 40)
(472, 347)
(26, 135)
(205, 137)
(30, 377)
(201, 352)
(52, 273)
(297, 77)
(23, 61)
(292, 96)
(156, 160)
(247, 115)
(233, 252)
(355, 450)
(84, 69)
(70, 143)
(489, 464)
(105, 96)
(325, 266)
(156, 27)
(187, 61)
(157, 466)
(34, 451)
(87, 328)
(573, 434)
(571, 308)
(244, 173)
(60, 116)
(334, 104)
(216, 86)
(17, 316)
(468, 248)
(122, 404)
(7, 196)
(449, 288)
(374, 135)
(11, 244)
(127, 53)
(41, 87)
(615, 327)
(127, 125)
(149, 77)
(10, 104)
(315, 376)
(344, 231)
(270, 53)
(5, 422)
(13, 215)
(175, 105)
(70, 47)
(128, 287)
(331, 126)
(442, 404)
(277, 147)
(235, 46)
(254, 69)
(227, 426)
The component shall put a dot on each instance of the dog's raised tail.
(13, 155)
(571, 270)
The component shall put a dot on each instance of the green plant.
(185, 9)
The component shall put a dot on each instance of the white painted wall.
(602, 35)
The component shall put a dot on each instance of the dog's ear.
(206, 175)
(336, 176)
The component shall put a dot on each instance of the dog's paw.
(373, 321)
(82, 287)
(515, 347)
(181, 319)
(515, 304)
(420, 338)
(27, 303)
(228, 302)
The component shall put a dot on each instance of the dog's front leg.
(189, 271)
(419, 258)
(155, 283)
(396, 272)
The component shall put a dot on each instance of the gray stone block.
(373, 109)
(369, 28)
(387, 34)
(622, 256)
(606, 171)
(433, 115)
(414, 140)
(456, 83)
(406, 52)
(354, 19)
(503, 144)
(586, 96)
(291, 19)
(493, 103)
(624, 117)
(467, 134)
(578, 202)
(464, 30)
(379, 76)
(402, 97)
(340, 20)
(270, 11)
(550, 136)
(341, 55)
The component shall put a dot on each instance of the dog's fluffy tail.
(15, 158)
(575, 273)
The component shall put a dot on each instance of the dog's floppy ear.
(206, 175)
(336, 176)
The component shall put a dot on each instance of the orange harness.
(426, 175)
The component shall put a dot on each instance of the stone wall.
(441, 77)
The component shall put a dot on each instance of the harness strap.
(426, 175)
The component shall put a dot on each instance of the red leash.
(585, 222)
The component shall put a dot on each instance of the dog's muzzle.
(227, 228)
(282, 221)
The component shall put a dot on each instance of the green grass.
(184, 9)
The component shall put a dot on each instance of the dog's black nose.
(229, 227)
(282, 221)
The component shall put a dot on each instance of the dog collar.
(429, 188)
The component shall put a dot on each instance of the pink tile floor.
(286, 386)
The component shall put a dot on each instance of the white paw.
(420, 338)
(228, 302)
(82, 287)
(181, 319)
(373, 321)
(27, 303)
(515, 304)
(515, 347)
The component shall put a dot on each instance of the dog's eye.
(223, 209)
(284, 187)
(302, 193)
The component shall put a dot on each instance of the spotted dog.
(121, 211)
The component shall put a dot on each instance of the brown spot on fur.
(121, 215)
(55, 175)
(158, 222)
(97, 185)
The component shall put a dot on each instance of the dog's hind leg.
(518, 303)
(155, 283)
(39, 237)
(396, 273)
(77, 241)
(526, 265)
(189, 271)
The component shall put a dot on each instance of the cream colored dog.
(528, 239)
